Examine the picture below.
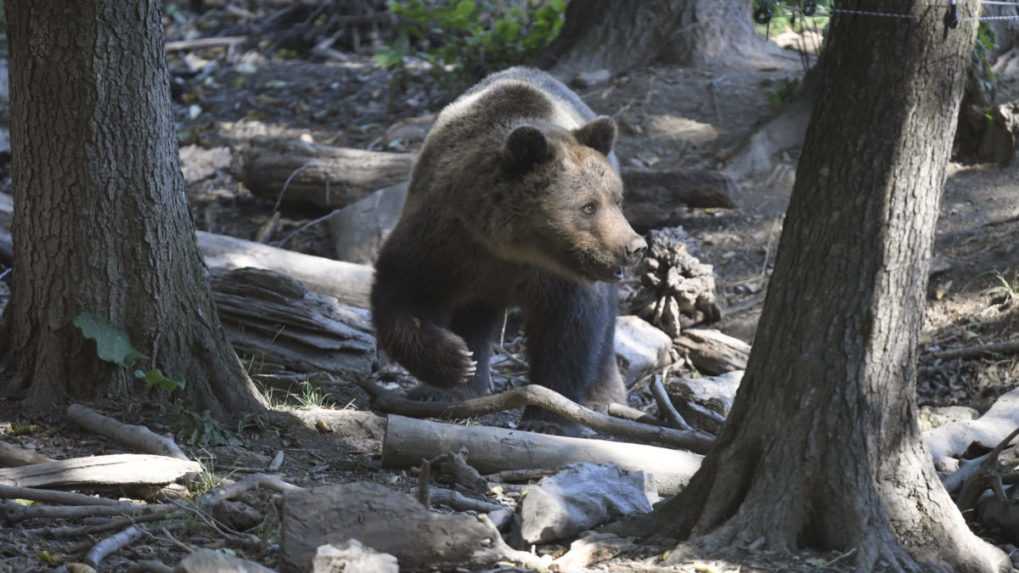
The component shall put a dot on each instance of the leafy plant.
(466, 39)
(114, 346)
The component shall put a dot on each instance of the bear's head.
(566, 196)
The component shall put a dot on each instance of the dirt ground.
(669, 118)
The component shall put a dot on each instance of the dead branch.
(518, 476)
(113, 544)
(491, 449)
(14, 513)
(665, 404)
(13, 456)
(58, 497)
(202, 43)
(980, 350)
(989, 475)
(119, 469)
(254, 481)
(539, 397)
(115, 524)
(634, 415)
(461, 502)
(135, 437)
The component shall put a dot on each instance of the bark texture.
(619, 35)
(822, 448)
(101, 219)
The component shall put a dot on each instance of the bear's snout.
(635, 250)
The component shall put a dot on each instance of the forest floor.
(669, 118)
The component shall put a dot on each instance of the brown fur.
(514, 201)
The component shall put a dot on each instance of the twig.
(14, 513)
(12, 456)
(539, 397)
(665, 405)
(113, 544)
(627, 413)
(135, 437)
(1011, 347)
(276, 463)
(225, 492)
(58, 497)
(112, 525)
(200, 43)
(518, 476)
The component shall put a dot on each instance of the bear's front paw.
(451, 364)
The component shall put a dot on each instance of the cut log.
(712, 352)
(390, 522)
(408, 440)
(119, 469)
(277, 319)
(135, 437)
(347, 282)
(13, 456)
(319, 175)
(334, 177)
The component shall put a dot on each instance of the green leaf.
(112, 344)
(155, 378)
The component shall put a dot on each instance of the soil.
(670, 118)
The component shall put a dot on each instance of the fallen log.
(492, 450)
(713, 352)
(119, 469)
(334, 177)
(538, 397)
(13, 456)
(318, 175)
(135, 437)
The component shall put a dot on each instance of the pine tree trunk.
(101, 218)
(619, 35)
(822, 447)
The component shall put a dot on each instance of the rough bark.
(619, 35)
(102, 223)
(822, 447)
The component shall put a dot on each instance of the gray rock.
(705, 402)
(640, 347)
(352, 557)
(209, 561)
(592, 78)
(359, 229)
(580, 497)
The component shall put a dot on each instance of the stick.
(13, 456)
(112, 525)
(1010, 347)
(14, 513)
(493, 450)
(113, 544)
(200, 43)
(627, 413)
(225, 492)
(540, 397)
(58, 497)
(665, 405)
(135, 437)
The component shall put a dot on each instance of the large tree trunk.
(101, 219)
(619, 35)
(822, 447)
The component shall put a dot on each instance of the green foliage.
(114, 346)
(784, 91)
(786, 16)
(469, 38)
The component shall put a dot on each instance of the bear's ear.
(525, 147)
(599, 134)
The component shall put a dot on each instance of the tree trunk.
(101, 219)
(822, 447)
(619, 35)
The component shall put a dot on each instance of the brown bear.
(514, 201)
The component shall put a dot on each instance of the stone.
(353, 557)
(359, 229)
(640, 348)
(237, 515)
(580, 497)
(705, 402)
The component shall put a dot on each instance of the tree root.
(136, 437)
(539, 397)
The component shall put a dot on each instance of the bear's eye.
(590, 208)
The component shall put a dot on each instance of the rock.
(199, 163)
(936, 416)
(387, 520)
(705, 402)
(640, 347)
(580, 497)
(592, 78)
(209, 561)
(352, 557)
(359, 229)
(237, 515)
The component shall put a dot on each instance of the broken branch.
(135, 437)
